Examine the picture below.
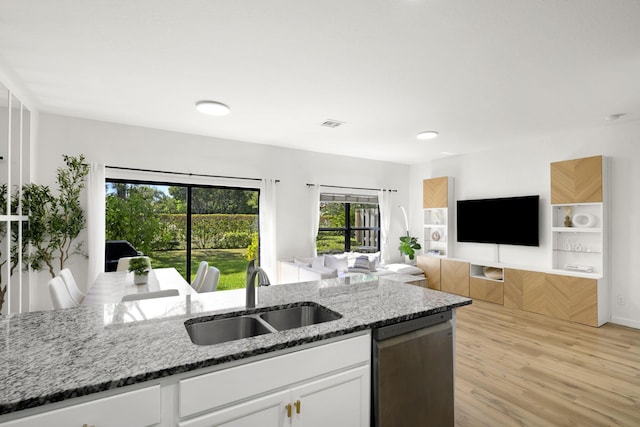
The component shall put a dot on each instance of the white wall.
(130, 146)
(521, 171)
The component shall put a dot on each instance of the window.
(179, 225)
(348, 223)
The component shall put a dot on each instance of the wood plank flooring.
(515, 368)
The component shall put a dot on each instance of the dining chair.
(123, 263)
(210, 282)
(200, 275)
(74, 291)
(60, 294)
(149, 295)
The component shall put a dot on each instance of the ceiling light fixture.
(429, 134)
(212, 108)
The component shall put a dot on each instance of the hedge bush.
(208, 231)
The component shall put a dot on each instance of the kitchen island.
(52, 359)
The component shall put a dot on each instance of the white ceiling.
(485, 74)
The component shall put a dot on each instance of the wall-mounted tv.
(508, 220)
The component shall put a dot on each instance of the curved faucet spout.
(263, 280)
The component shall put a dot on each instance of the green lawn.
(231, 263)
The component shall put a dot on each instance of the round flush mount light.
(212, 108)
(428, 134)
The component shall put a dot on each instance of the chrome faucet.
(263, 280)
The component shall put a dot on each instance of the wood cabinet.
(560, 296)
(324, 385)
(435, 192)
(486, 290)
(577, 181)
(431, 267)
(454, 277)
(134, 408)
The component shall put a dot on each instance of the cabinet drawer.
(486, 290)
(212, 390)
(138, 408)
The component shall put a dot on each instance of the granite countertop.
(49, 356)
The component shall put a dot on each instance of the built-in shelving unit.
(438, 215)
(581, 244)
(15, 125)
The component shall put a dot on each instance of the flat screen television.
(508, 220)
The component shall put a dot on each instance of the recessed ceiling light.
(429, 134)
(212, 108)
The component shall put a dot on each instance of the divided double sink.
(210, 330)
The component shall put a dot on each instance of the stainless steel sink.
(296, 317)
(263, 321)
(229, 329)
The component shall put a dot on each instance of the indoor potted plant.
(140, 267)
(408, 246)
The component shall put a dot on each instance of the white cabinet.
(332, 401)
(138, 408)
(320, 386)
(267, 411)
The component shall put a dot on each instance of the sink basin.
(222, 330)
(263, 321)
(296, 317)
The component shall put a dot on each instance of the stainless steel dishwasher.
(412, 378)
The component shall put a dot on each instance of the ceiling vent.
(332, 123)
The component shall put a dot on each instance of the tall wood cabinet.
(454, 277)
(437, 201)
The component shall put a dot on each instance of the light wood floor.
(515, 368)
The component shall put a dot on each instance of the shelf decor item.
(492, 273)
(567, 217)
(435, 236)
(583, 220)
(140, 268)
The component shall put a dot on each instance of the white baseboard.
(625, 322)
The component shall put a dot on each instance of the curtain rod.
(183, 173)
(352, 188)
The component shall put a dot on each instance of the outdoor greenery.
(231, 263)
(224, 226)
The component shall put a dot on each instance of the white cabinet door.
(339, 400)
(267, 411)
(138, 408)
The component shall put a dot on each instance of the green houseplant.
(408, 246)
(140, 267)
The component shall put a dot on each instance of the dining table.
(110, 287)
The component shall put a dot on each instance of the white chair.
(149, 295)
(76, 294)
(200, 275)
(123, 263)
(210, 282)
(60, 294)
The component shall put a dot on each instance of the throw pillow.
(301, 263)
(318, 262)
(339, 263)
(359, 264)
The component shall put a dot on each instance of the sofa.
(305, 269)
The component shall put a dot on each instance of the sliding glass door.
(181, 225)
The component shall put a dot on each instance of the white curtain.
(268, 256)
(384, 203)
(315, 215)
(96, 220)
